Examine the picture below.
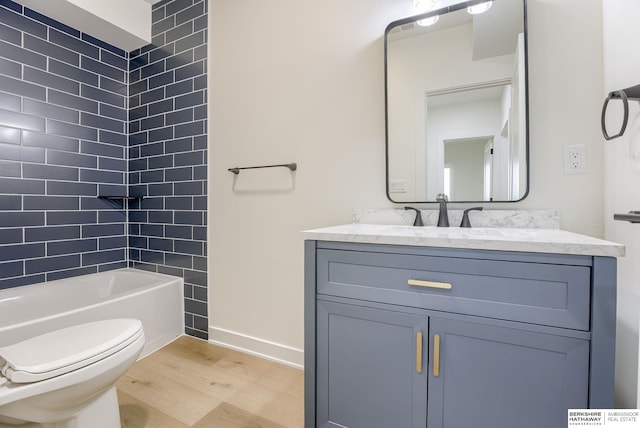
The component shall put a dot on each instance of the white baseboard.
(262, 348)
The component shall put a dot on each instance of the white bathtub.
(155, 299)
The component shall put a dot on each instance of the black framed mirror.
(456, 104)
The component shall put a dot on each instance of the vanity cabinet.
(404, 336)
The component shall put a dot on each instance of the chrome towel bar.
(291, 166)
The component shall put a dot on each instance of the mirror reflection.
(456, 105)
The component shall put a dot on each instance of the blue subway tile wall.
(63, 141)
(168, 152)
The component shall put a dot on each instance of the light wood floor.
(191, 383)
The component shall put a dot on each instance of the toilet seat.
(62, 351)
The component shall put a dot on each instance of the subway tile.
(190, 13)
(200, 112)
(101, 122)
(152, 230)
(22, 23)
(155, 176)
(52, 111)
(138, 138)
(76, 45)
(102, 96)
(10, 202)
(21, 219)
(194, 218)
(152, 256)
(114, 86)
(152, 149)
(178, 174)
(200, 82)
(51, 264)
(200, 172)
(189, 129)
(200, 23)
(112, 164)
(152, 203)
(138, 62)
(71, 159)
(158, 39)
(160, 217)
(152, 122)
(179, 60)
(195, 307)
(152, 69)
(22, 56)
(10, 68)
(100, 257)
(30, 170)
(163, 189)
(72, 101)
(138, 112)
(42, 203)
(94, 203)
(138, 216)
(71, 247)
(50, 50)
(138, 87)
(47, 141)
(72, 72)
(156, 162)
(10, 236)
(151, 96)
(97, 176)
(160, 244)
(10, 169)
(200, 233)
(23, 251)
(14, 152)
(162, 26)
(161, 134)
(178, 32)
(113, 112)
(74, 217)
(51, 80)
(138, 165)
(103, 45)
(22, 121)
(70, 188)
(177, 6)
(190, 100)
(21, 186)
(113, 190)
(51, 233)
(200, 263)
(200, 142)
(161, 79)
(157, 14)
(190, 42)
(113, 242)
(112, 216)
(179, 232)
(178, 260)
(200, 52)
(161, 53)
(11, 5)
(10, 35)
(102, 149)
(189, 247)
(10, 102)
(134, 127)
(101, 230)
(179, 145)
(196, 278)
(112, 137)
(189, 188)
(115, 60)
(21, 280)
(10, 135)
(189, 71)
(71, 130)
(160, 107)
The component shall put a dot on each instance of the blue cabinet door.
(497, 377)
(369, 373)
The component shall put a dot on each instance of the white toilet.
(65, 378)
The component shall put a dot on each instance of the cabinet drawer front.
(546, 294)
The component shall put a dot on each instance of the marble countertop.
(553, 241)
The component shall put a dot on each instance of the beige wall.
(298, 81)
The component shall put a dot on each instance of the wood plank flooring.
(191, 383)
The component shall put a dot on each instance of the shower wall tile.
(168, 152)
(63, 121)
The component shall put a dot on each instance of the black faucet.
(465, 216)
(418, 220)
(443, 217)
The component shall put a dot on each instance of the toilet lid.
(61, 351)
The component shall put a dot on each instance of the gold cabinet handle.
(436, 355)
(430, 284)
(419, 352)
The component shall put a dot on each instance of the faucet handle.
(465, 216)
(418, 220)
